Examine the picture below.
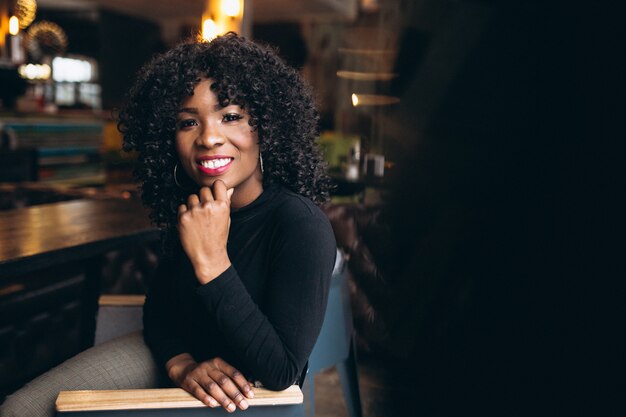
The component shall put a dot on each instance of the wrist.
(176, 366)
(208, 271)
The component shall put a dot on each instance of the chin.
(208, 182)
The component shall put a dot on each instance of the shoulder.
(292, 208)
(302, 230)
(298, 217)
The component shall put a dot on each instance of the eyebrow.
(192, 110)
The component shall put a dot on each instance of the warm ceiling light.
(209, 29)
(366, 76)
(231, 8)
(360, 51)
(373, 100)
(14, 25)
(355, 100)
(46, 37)
(35, 71)
(370, 5)
(25, 10)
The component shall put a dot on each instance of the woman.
(225, 132)
(227, 163)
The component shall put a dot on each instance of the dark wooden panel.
(41, 323)
(52, 259)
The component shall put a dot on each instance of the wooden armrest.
(129, 300)
(103, 400)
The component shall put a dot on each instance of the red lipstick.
(214, 165)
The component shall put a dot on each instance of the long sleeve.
(160, 321)
(264, 313)
(275, 343)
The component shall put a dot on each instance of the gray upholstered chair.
(335, 345)
(122, 314)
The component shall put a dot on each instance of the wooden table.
(43, 236)
(51, 261)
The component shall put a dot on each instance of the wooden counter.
(42, 236)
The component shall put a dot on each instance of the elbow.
(280, 378)
(277, 385)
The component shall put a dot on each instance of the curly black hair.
(248, 74)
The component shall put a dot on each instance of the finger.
(230, 193)
(212, 402)
(206, 195)
(238, 378)
(214, 388)
(182, 209)
(201, 395)
(192, 201)
(229, 387)
(220, 191)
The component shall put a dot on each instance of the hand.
(203, 225)
(213, 382)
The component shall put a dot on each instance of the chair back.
(118, 315)
(333, 342)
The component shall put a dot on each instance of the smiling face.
(215, 142)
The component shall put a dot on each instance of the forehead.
(208, 92)
(202, 92)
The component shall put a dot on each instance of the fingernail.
(231, 407)
(250, 393)
(213, 403)
(243, 404)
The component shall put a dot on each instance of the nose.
(210, 136)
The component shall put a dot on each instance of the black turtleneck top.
(264, 313)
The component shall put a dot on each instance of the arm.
(277, 342)
(162, 334)
(160, 320)
(273, 345)
(214, 382)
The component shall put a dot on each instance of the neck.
(244, 195)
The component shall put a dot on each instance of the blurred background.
(477, 149)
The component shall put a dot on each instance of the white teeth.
(215, 163)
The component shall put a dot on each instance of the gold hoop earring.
(176, 178)
(261, 162)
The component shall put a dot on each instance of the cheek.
(247, 143)
(181, 149)
(184, 155)
(252, 154)
(253, 143)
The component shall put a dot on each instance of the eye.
(186, 123)
(231, 117)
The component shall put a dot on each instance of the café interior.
(470, 230)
